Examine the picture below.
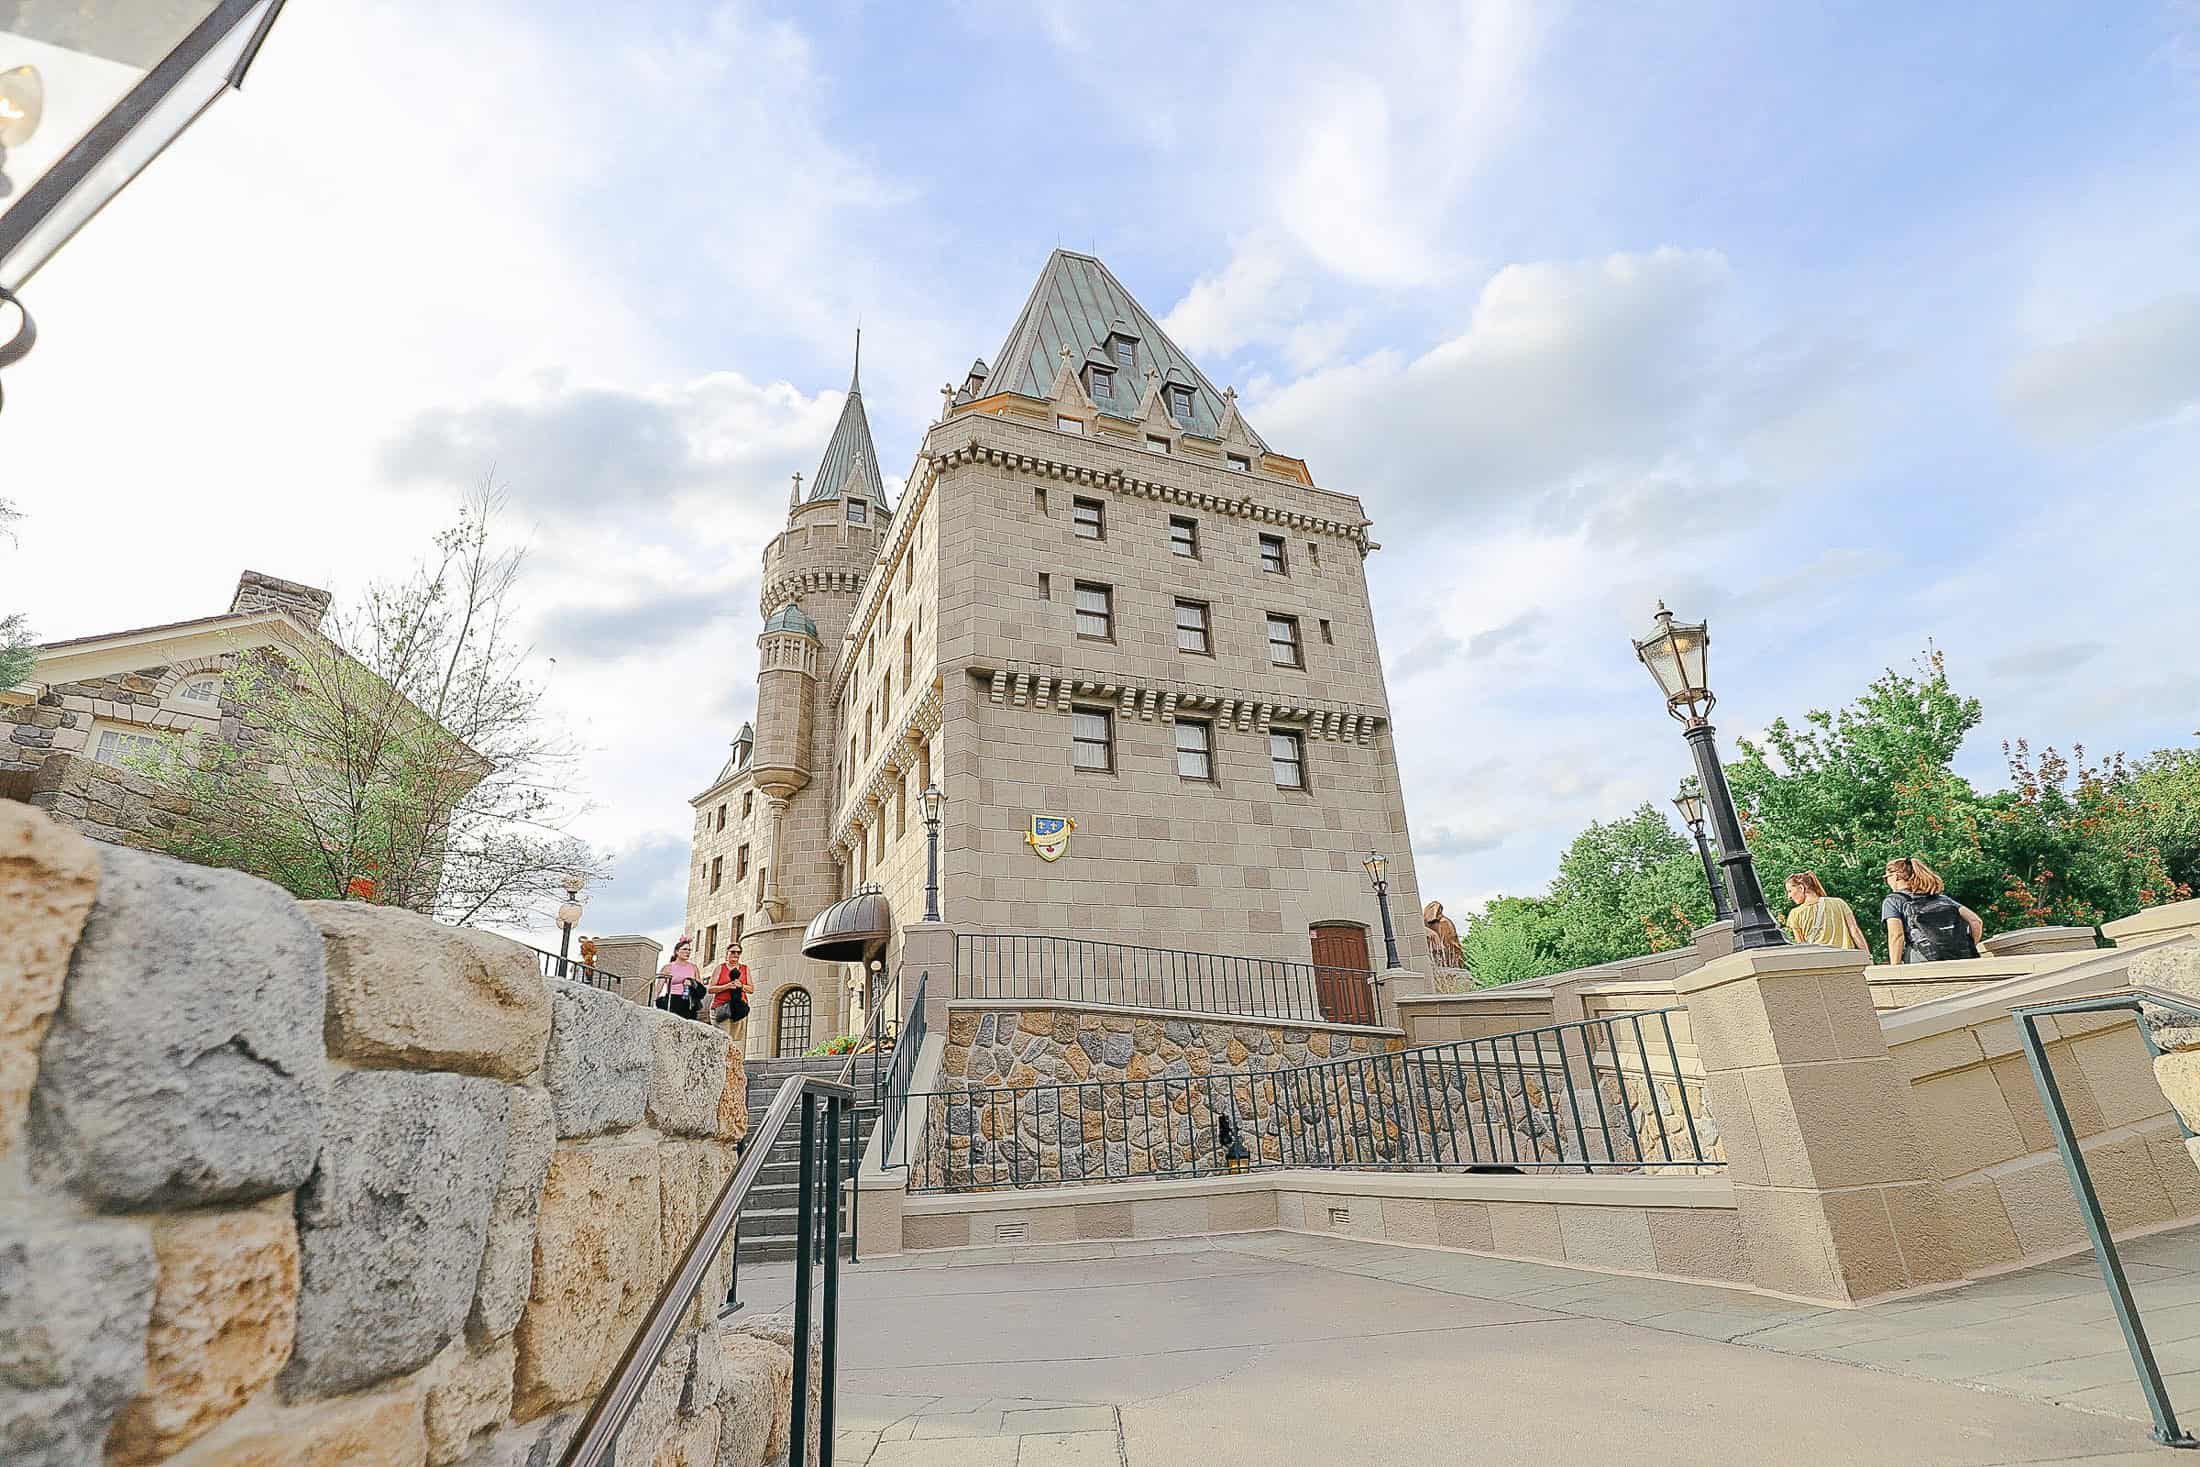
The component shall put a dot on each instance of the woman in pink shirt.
(676, 982)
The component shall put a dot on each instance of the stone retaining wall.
(288, 1183)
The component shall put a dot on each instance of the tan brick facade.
(954, 655)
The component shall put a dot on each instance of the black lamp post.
(1690, 804)
(1378, 872)
(934, 804)
(1675, 653)
(90, 94)
(569, 916)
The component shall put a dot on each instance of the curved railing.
(573, 969)
(825, 1107)
(1032, 968)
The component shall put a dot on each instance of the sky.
(1853, 329)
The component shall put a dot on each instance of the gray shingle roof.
(1077, 302)
(791, 618)
(850, 462)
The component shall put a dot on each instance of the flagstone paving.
(1279, 1347)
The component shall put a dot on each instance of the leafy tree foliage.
(17, 656)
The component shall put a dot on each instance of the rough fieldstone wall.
(288, 1183)
(1021, 1102)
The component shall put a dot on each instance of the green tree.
(18, 653)
(2167, 784)
(2076, 844)
(1508, 941)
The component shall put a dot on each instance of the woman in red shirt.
(727, 996)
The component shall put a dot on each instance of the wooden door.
(1342, 982)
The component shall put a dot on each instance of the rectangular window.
(1313, 553)
(1046, 586)
(1327, 639)
(1239, 463)
(859, 511)
(1195, 749)
(734, 938)
(1103, 384)
(1039, 500)
(901, 808)
(1124, 353)
(748, 803)
(721, 817)
(1068, 425)
(118, 745)
(909, 570)
(1191, 627)
(1157, 445)
(1090, 517)
(909, 654)
(1283, 642)
(1271, 554)
(741, 864)
(1095, 612)
(710, 942)
(880, 837)
(1180, 402)
(717, 871)
(1287, 756)
(1092, 738)
(763, 881)
(1184, 535)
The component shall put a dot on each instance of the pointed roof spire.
(850, 464)
(1074, 307)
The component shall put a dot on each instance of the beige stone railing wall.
(316, 1183)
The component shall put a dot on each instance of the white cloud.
(2135, 367)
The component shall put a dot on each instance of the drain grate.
(1340, 1217)
(1011, 1232)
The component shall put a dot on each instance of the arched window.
(201, 689)
(791, 1036)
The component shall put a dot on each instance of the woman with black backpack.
(1924, 923)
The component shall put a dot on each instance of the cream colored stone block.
(2177, 1077)
(1923, 1231)
(1857, 1032)
(382, 1430)
(1731, 1024)
(693, 1442)
(468, 1392)
(1097, 1220)
(2023, 1097)
(224, 1314)
(49, 877)
(1525, 1230)
(1934, 1053)
(1862, 1232)
(1464, 1225)
(406, 990)
(1698, 1243)
(1726, 1096)
(1169, 1217)
(2173, 1163)
(1789, 1244)
(935, 1230)
(1409, 1219)
(2131, 1191)
(1966, 1122)
(1979, 1224)
(2036, 1194)
(1608, 1237)
(1291, 1210)
(2120, 1073)
(597, 1247)
(1242, 1212)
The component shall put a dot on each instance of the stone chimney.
(258, 592)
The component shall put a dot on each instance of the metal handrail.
(2166, 1429)
(893, 1094)
(596, 1438)
(573, 969)
(1036, 966)
(1534, 1100)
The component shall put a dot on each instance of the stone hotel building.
(1103, 600)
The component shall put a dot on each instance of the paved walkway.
(1271, 1348)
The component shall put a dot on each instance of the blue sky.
(1848, 327)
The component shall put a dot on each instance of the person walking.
(726, 999)
(1821, 920)
(677, 982)
(1924, 923)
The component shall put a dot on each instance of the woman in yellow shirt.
(1825, 921)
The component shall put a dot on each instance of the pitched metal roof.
(791, 618)
(850, 462)
(1079, 303)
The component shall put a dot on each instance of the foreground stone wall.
(317, 1183)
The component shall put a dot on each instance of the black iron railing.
(1026, 967)
(1608, 1094)
(825, 1118)
(890, 1087)
(2028, 1016)
(572, 969)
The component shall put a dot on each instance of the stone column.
(775, 905)
(1837, 1200)
(928, 949)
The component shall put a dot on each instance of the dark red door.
(1343, 984)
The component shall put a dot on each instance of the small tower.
(786, 705)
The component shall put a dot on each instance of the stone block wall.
(288, 1183)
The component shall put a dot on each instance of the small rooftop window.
(859, 512)
(1103, 383)
(1180, 402)
(1123, 352)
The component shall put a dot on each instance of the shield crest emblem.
(1050, 835)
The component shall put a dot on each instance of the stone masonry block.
(508, 1257)
(596, 1271)
(74, 1304)
(224, 1315)
(393, 1225)
(687, 1076)
(599, 1061)
(469, 1392)
(380, 1430)
(49, 876)
(184, 1066)
(404, 990)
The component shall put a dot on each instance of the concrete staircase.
(768, 1222)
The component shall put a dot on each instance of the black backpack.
(1936, 929)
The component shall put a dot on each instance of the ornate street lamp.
(935, 804)
(1675, 652)
(1690, 804)
(89, 94)
(1378, 873)
(569, 914)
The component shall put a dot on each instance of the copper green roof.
(791, 618)
(850, 464)
(1079, 303)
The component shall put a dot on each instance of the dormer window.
(1239, 463)
(1103, 384)
(1122, 351)
(1180, 402)
(859, 511)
